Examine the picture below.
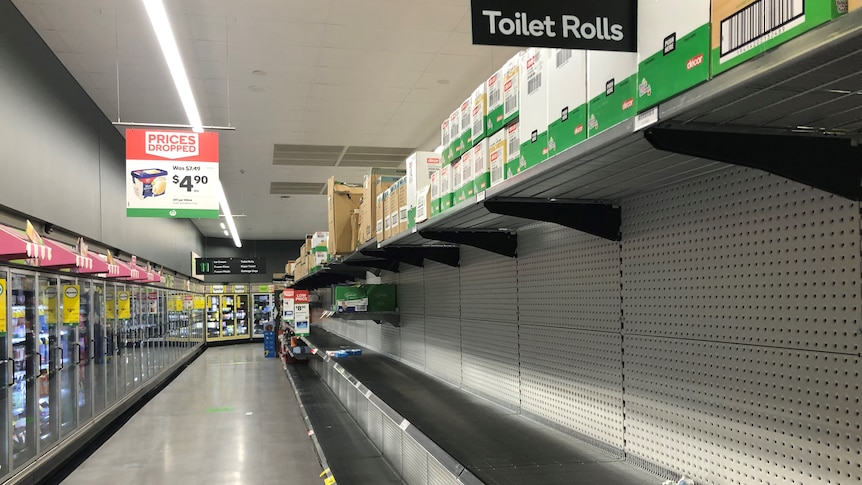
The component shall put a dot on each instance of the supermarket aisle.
(230, 418)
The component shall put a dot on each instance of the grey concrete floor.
(230, 418)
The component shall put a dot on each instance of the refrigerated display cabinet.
(262, 313)
(227, 317)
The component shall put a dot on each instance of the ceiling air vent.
(296, 188)
(341, 156)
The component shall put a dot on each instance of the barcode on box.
(563, 56)
(514, 144)
(751, 25)
(511, 103)
(493, 96)
(496, 173)
(465, 118)
(534, 82)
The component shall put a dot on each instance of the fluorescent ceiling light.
(438, 150)
(222, 200)
(159, 19)
(221, 224)
(226, 233)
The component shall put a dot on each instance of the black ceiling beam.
(499, 242)
(602, 220)
(832, 164)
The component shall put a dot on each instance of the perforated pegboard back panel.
(741, 301)
(389, 277)
(489, 285)
(392, 444)
(574, 378)
(390, 340)
(411, 290)
(438, 474)
(373, 334)
(567, 278)
(490, 361)
(443, 348)
(442, 290)
(728, 413)
(743, 256)
(413, 339)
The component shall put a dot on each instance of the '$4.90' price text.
(188, 182)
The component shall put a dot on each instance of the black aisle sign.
(600, 25)
(230, 265)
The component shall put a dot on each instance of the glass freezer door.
(26, 361)
(8, 371)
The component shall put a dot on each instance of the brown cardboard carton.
(354, 226)
(375, 183)
(343, 200)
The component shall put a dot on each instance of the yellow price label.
(71, 304)
(124, 305)
(200, 303)
(3, 305)
(110, 306)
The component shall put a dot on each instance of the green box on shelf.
(739, 30)
(411, 218)
(382, 297)
(347, 299)
(435, 207)
(673, 49)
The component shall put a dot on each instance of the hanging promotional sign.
(110, 306)
(124, 305)
(172, 174)
(609, 25)
(71, 304)
(200, 302)
(51, 304)
(2, 305)
(301, 314)
(287, 305)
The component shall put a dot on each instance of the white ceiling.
(336, 72)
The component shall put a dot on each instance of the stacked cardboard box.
(420, 166)
(567, 100)
(375, 183)
(343, 200)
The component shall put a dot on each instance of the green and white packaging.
(743, 29)
(494, 91)
(445, 141)
(673, 48)
(512, 88)
(423, 209)
(379, 226)
(515, 162)
(456, 182)
(467, 186)
(435, 193)
(567, 100)
(481, 166)
(445, 188)
(419, 165)
(533, 118)
(466, 127)
(455, 135)
(612, 89)
(497, 157)
(478, 115)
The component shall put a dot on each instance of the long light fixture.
(159, 19)
(228, 215)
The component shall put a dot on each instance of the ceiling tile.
(208, 28)
(282, 34)
(365, 59)
(35, 15)
(364, 93)
(427, 16)
(387, 78)
(211, 51)
(374, 38)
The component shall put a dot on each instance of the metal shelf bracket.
(602, 220)
(828, 163)
(500, 242)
